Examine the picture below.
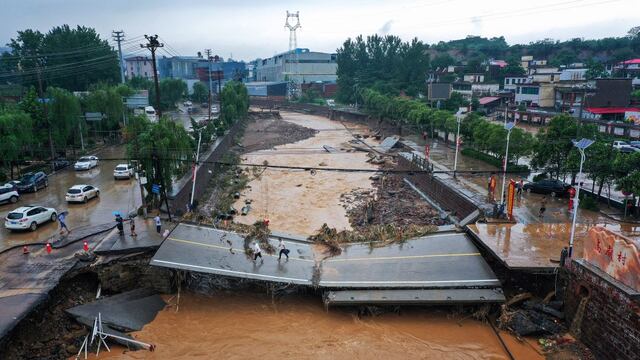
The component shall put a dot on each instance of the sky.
(249, 29)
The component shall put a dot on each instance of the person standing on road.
(132, 224)
(63, 225)
(257, 252)
(120, 224)
(519, 187)
(283, 250)
(543, 207)
(158, 223)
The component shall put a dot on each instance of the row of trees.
(383, 63)
(64, 57)
(35, 130)
(551, 150)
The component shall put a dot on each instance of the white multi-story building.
(138, 66)
(299, 65)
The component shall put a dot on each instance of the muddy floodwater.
(250, 326)
(296, 201)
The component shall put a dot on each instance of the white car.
(123, 171)
(9, 193)
(86, 163)
(82, 193)
(29, 217)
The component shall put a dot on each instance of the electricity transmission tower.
(293, 46)
(118, 36)
(153, 44)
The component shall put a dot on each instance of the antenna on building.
(293, 46)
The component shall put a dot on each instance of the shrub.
(588, 202)
(492, 160)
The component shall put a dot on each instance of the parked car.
(60, 163)
(81, 193)
(187, 103)
(553, 187)
(620, 144)
(123, 171)
(29, 217)
(32, 182)
(629, 149)
(12, 184)
(635, 144)
(86, 163)
(8, 193)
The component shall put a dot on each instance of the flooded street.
(295, 201)
(115, 195)
(242, 326)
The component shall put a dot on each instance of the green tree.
(595, 70)
(200, 93)
(171, 92)
(140, 83)
(235, 102)
(167, 141)
(554, 145)
(70, 58)
(64, 117)
(15, 132)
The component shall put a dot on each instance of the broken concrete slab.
(128, 311)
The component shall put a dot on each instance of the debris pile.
(375, 235)
(258, 232)
(393, 202)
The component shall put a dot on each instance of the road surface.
(120, 195)
(440, 260)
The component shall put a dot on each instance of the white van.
(151, 114)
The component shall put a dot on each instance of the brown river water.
(250, 326)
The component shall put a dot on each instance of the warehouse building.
(300, 66)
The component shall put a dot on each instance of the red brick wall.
(611, 322)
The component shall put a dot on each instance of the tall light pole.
(195, 167)
(581, 145)
(455, 161)
(508, 126)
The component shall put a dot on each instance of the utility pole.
(219, 75)
(208, 52)
(153, 44)
(118, 36)
(45, 107)
(195, 170)
(159, 180)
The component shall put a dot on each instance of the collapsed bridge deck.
(446, 260)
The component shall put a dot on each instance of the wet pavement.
(115, 195)
(533, 241)
(435, 261)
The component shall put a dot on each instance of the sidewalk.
(533, 241)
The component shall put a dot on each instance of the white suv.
(123, 171)
(29, 217)
(81, 193)
(9, 193)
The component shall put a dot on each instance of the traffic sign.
(155, 188)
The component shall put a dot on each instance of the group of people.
(132, 224)
(257, 251)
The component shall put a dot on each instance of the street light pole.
(581, 145)
(508, 126)
(195, 169)
(455, 161)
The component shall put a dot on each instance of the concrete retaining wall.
(449, 200)
(610, 324)
(181, 194)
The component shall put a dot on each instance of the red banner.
(511, 194)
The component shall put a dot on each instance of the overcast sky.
(248, 29)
